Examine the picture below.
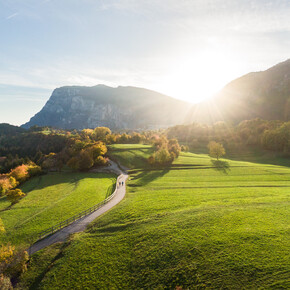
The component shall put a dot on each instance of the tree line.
(263, 134)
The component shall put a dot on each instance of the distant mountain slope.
(118, 108)
(7, 129)
(263, 94)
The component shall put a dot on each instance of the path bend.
(81, 224)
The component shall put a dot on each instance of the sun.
(199, 78)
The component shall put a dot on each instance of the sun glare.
(199, 78)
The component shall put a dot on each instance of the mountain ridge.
(263, 94)
(124, 107)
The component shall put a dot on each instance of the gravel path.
(81, 224)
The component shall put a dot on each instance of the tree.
(12, 264)
(216, 150)
(100, 133)
(173, 147)
(161, 157)
(73, 163)
(33, 170)
(85, 160)
(98, 149)
(15, 195)
(20, 173)
(7, 183)
(101, 161)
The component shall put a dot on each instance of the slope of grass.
(50, 199)
(131, 155)
(198, 224)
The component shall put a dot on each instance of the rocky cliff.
(117, 108)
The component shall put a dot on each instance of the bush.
(161, 157)
(12, 263)
(101, 161)
(20, 173)
(184, 148)
(15, 195)
(34, 170)
(7, 183)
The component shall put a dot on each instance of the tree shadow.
(147, 176)
(221, 166)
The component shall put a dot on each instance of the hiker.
(122, 183)
(119, 183)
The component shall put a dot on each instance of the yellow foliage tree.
(216, 150)
(15, 195)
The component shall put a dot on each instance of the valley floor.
(199, 224)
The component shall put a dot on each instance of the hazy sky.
(187, 49)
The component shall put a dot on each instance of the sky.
(187, 49)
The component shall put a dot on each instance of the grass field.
(198, 224)
(131, 155)
(50, 199)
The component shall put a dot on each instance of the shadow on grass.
(111, 188)
(56, 178)
(221, 166)
(145, 177)
(129, 149)
(37, 281)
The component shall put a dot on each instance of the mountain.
(263, 94)
(10, 130)
(76, 107)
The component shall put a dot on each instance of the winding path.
(81, 224)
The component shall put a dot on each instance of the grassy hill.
(131, 155)
(199, 224)
(50, 199)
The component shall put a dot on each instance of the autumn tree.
(12, 264)
(15, 195)
(173, 147)
(100, 133)
(20, 173)
(85, 160)
(6, 183)
(216, 150)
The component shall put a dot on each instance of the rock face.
(117, 108)
(263, 94)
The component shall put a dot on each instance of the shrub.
(20, 173)
(12, 263)
(101, 161)
(15, 195)
(7, 183)
(161, 157)
(184, 148)
(33, 169)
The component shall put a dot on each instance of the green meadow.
(50, 199)
(131, 155)
(198, 224)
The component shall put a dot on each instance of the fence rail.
(77, 216)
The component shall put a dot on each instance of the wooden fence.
(77, 216)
